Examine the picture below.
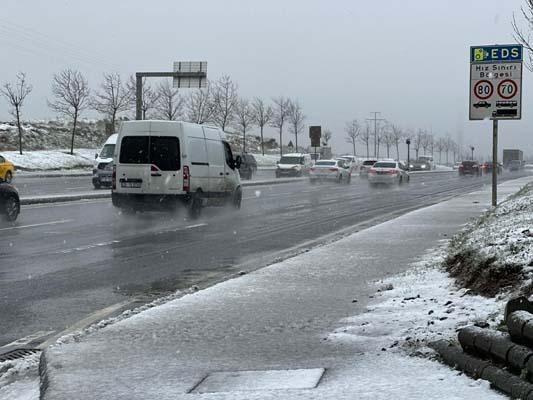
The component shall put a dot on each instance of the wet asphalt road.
(61, 262)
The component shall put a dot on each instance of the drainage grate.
(16, 354)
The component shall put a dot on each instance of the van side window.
(229, 155)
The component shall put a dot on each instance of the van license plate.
(130, 184)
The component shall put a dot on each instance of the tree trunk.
(446, 157)
(280, 142)
(73, 132)
(416, 150)
(113, 118)
(20, 129)
(440, 156)
(244, 141)
(262, 141)
(388, 149)
(296, 140)
(353, 142)
(397, 151)
(367, 150)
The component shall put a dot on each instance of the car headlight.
(411, 166)
(423, 166)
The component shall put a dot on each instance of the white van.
(161, 164)
(103, 163)
(294, 164)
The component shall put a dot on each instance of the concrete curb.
(53, 175)
(60, 198)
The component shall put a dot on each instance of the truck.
(513, 156)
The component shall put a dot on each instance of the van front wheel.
(237, 198)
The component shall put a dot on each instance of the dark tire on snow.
(11, 208)
(237, 198)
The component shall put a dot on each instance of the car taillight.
(392, 172)
(186, 179)
(312, 169)
(333, 169)
(371, 171)
(114, 177)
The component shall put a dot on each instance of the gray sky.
(341, 59)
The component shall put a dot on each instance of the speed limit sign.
(483, 89)
(496, 82)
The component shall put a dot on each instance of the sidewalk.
(277, 318)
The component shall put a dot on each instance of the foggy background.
(340, 59)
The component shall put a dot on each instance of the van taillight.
(186, 179)
(114, 177)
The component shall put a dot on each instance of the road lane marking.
(62, 221)
(65, 203)
(87, 247)
(181, 228)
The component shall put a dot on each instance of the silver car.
(388, 172)
(365, 167)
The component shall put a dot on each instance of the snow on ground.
(496, 251)
(417, 307)
(440, 167)
(19, 379)
(51, 159)
(267, 160)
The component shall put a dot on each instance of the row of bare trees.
(391, 136)
(219, 103)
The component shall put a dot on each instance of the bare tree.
(113, 98)
(71, 92)
(199, 107)
(169, 104)
(279, 117)
(326, 137)
(397, 136)
(353, 130)
(364, 137)
(388, 138)
(426, 142)
(440, 145)
(225, 100)
(523, 36)
(379, 138)
(296, 120)
(417, 141)
(15, 94)
(149, 95)
(262, 116)
(244, 116)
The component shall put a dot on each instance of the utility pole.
(375, 119)
(472, 148)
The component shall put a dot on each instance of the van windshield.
(162, 151)
(107, 151)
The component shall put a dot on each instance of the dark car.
(248, 166)
(9, 202)
(419, 165)
(469, 168)
(486, 168)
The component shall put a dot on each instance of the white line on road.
(66, 203)
(62, 221)
(87, 247)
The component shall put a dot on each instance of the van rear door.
(165, 165)
(133, 165)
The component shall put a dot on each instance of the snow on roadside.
(51, 159)
(19, 379)
(267, 160)
(417, 307)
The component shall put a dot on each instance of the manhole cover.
(259, 380)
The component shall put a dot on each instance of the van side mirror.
(96, 156)
(238, 162)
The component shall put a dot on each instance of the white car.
(351, 161)
(293, 164)
(388, 172)
(164, 164)
(330, 170)
(365, 167)
(103, 164)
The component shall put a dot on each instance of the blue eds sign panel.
(491, 54)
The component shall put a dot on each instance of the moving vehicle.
(9, 202)
(7, 170)
(456, 165)
(469, 168)
(164, 164)
(349, 162)
(365, 167)
(103, 163)
(515, 165)
(419, 165)
(294, 164)
(388, 172)
(486, 167)
(248, 166)
(330, 170)
(512, 155)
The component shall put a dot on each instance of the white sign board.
(496, 82)
(187, 67)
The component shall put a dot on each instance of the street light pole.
(472, 149)
(408, 143)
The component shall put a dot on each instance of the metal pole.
(139, 96)
(494, 162)
(375, 138)
(408, 156)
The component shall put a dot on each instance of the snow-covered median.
(495, 252)
(46, 160)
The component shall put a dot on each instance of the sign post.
(495, 91)
(315, 133)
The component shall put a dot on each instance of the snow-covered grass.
(42, 160)
(495, 252)
(267, 160)
(19, 379)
